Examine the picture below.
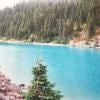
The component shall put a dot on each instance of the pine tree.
(42, 88)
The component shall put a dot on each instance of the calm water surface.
(75, 71)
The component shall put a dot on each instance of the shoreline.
(80, 44)
(34, 43)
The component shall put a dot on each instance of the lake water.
(75, 71)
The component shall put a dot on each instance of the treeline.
(48, 21)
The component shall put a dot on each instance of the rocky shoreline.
(81, 44)
(9, 90)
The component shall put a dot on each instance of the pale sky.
(9, 3)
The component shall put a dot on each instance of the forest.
(49, 21)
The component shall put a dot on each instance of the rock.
(22, 85)
(2, 96)
(10, 91)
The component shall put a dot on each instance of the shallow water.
(75, 71)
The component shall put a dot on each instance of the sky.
(11, 3)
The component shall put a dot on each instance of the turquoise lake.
(76, 71)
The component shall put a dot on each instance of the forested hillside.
(49, 21)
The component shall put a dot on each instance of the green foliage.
(42, 88)
(50, 19)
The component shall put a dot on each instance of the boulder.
(10, 91)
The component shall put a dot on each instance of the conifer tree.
(42, 88)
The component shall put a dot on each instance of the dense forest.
(49, 21)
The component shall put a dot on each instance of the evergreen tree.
(42, 88)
